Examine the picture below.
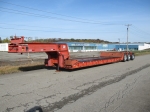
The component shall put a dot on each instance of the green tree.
(0, 40)
(6, 40)
(11, 37)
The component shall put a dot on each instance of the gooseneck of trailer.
(58, 54)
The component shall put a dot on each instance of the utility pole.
(127, 33)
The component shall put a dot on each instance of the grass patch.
(14, 69)
(8, 69)
(143, 52)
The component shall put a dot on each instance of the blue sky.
(84, 19)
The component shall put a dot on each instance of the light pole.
(119, 43)
(127, 33)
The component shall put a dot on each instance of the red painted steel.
(58, 54)
(16, 40)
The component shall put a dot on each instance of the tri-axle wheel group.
(128, 57)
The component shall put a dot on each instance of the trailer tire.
(128, 57)
(125, 58)
(132, 57)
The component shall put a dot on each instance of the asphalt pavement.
(13, 59)
(117, 87)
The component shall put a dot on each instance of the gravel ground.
(121, 87)
(5, 56)
(19, 59)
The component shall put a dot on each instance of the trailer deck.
(91, 61)
(91, 58)
(58, 54)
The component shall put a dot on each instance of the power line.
(49, 17)
(26, 29)
(24, 25)
(44, 11)
(139, 33)
(140, 36)
(55, 31)
(39, 15)
(141, 30)
(8, 10)
(48, 27)
(88, 20)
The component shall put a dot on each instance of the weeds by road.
(143, 52)
(14, 69)
(30, 66)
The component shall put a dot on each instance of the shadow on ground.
(35, 67)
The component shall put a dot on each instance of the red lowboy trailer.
(58, 54)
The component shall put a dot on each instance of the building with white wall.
(86, 47)
(3, 46)
(143, 46)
